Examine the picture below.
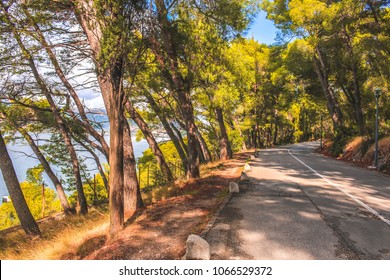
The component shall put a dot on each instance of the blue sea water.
(23, 158)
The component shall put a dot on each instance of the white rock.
(234, 188)
(197, 248)
(253, 157)
(247, 167)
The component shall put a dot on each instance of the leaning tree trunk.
(203, 146)
(56, 114)
(169, 130)
(46, 166)
(332, 104)
(97, 161)
(358, 99)
(61, 75)
(26, 219)
(165, 49)
(192, 151)
(180, 139)
(143, 126)
(225, 150)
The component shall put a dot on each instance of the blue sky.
(262, 30)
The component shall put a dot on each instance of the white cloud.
(94, 102)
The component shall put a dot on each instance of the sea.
(23, 158)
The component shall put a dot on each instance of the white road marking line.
(358, 201)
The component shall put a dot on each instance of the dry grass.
(208, 168)
(360, 151)
(60, 238)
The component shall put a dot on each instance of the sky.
(262, 30)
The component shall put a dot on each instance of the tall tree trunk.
(253, 137)
(26, 219)
(57, 116)
(356, 83)
(332, 104)
(275, 132)
(358, 106)
(46, 166)
(132, 192)
(116, 177)
(86, 15)
(224, 144)
(192, 151)
(150, 139)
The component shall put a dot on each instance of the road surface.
(298, 204)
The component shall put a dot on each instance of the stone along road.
(298, 204)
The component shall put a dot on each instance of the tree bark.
(275, 132)
(116, 119)
(332, 104)
(86, 15)
(132, 192)
(26, 219)
(224, 144)
(163, 119)
(150, 139)
(203, 146)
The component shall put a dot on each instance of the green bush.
(341, 138)
(33, 195)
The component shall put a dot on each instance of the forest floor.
(159, 231)
(360, 152)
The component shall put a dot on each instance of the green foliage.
(34, 175)
(58, 155)
(94, 191)
(33, 195)
(341, 138)
(236, 140)
(151, 174)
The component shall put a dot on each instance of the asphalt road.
(298, 204)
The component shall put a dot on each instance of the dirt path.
(160, 231)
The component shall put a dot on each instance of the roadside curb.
(217, 213)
